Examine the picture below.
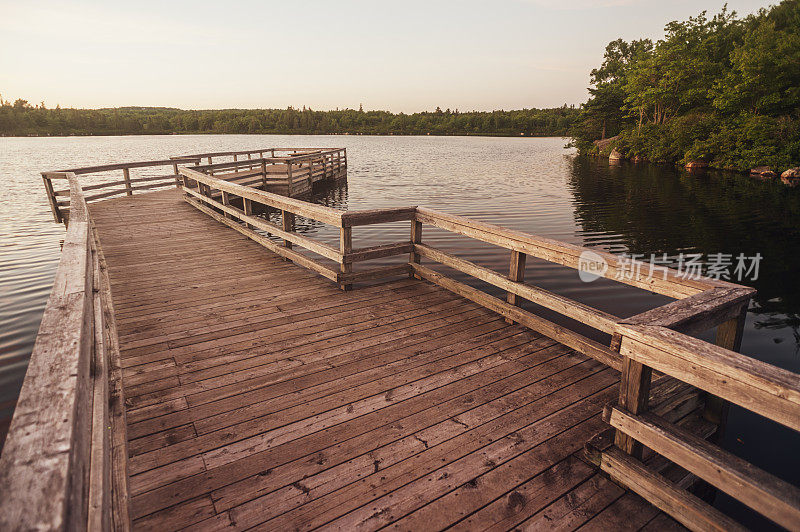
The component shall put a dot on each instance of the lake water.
(533, 185)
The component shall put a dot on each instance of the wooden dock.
(210, 383)
(290, 172)
(259, 393)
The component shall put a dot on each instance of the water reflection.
(656, 209)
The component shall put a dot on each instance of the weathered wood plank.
(772, 497)
(556, 332)
(757, 386)
(44, 468)
(679, 503)
(582, 313)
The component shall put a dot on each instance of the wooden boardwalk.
(260, 395)
(186, 375)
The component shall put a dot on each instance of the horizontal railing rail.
(274, 153)
(216, 198)
(127, 185)
(636, 273)
(647, 345)
(64, 461)
(296, 174)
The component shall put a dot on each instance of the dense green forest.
(20, 119)
(722, 90)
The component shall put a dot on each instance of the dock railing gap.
(62, 441)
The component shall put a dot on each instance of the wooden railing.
(647, 346)
(655, 340)
(208, 193)
(261, 153)
(296, 170)
(64, 462)
(60, 199)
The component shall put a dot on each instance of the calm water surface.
(533, 185)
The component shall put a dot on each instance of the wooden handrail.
(201, 197)
(765, 493)
(126, 185)
(58, 462)
(302, 208)
(594, 318)
(636, 273)
(306, 152)
(122, 166)
(750, 383)
(646, 344)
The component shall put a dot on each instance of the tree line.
(20, 118)
(723, 90)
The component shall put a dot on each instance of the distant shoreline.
(488, 135)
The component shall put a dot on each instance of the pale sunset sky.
(399, 56)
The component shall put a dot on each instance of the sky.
(401, 56)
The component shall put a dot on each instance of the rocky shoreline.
(789, 176)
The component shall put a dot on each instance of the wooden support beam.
(226, 201)
(684, 507)
(345, 247)
(634, 392)
(289, 184)
(287, 220)
(765, 493)
(51, 198)
(247, 207)
(729, 335)
(416, 238)
(516, 273)
(126, 173)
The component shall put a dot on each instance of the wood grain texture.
(279, 401)
(770, 496)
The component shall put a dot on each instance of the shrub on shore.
(721, 90)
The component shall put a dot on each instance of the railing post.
(416, 238)
(289, 178)
(729, 335)
(126, 175)
(345, 247)
(634, 393)
(177, 176)
(226, 200)
(51, 198)
(516, 273)
(247, 207)
(287, 219)
(264, 174)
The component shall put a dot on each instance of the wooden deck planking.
(260, 395)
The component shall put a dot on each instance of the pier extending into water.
(184, 376)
